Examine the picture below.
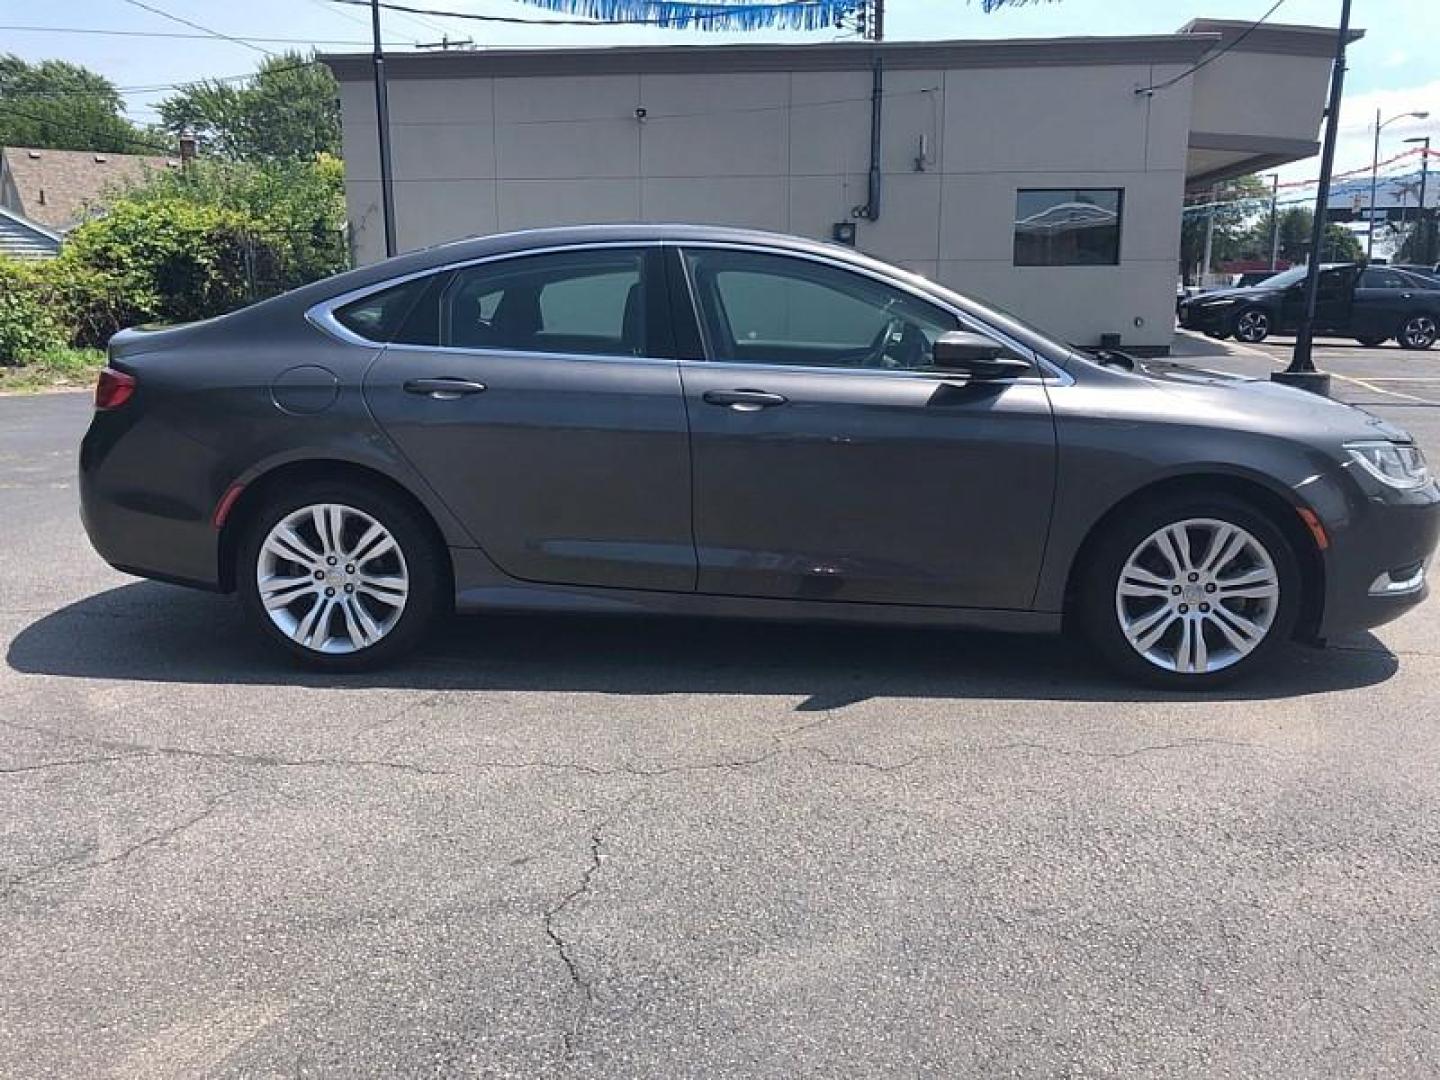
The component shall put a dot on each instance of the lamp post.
(1375, 171)
(1301, 371)
(1424, 247)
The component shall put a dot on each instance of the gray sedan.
(714, 421)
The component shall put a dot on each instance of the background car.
(1369, 304)
(717, 421)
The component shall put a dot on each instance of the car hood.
(1259, 405)
(1248, 292)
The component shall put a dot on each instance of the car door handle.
(744, 400)
(444, 389)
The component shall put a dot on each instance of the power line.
(195, 26)
(1216, 55)
(190, 37)
(718, 11)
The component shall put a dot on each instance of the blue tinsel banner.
(736, 15)
(677, 15)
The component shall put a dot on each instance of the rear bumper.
(1377, 569)
(146, 508)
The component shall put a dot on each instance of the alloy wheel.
(332, 578)
(1419, 332)
(1252, 326)
(1197, 596)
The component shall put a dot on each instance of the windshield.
(1286, 277)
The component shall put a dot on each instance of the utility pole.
(1301, 371)
(382, 121)
(1374, 173)
(1209, 236)
(1274, 220)
(1424, 246)
(877, 20)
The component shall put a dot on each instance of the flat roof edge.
(743, 59)
(1285, 39)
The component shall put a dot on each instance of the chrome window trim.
(1052, 373)
(321, 315)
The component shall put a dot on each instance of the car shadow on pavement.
(159, 633)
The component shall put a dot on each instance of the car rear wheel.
(1417, 332)
(1252, 326)
(1190, 593)
(340, 576)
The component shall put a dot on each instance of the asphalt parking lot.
(671, 848)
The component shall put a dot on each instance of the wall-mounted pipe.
(871, 210)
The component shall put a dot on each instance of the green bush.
(163, 260)
(29, 323)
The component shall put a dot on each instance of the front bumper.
(1376, 569)
(1211, 319)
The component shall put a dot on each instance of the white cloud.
(1355, 146)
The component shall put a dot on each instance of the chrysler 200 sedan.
(715, 421)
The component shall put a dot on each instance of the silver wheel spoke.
(278, 592)
(1143, 590)
(285, 543)
(1226, 544)
(1146, 632)
(1192, 655)
(304, 606)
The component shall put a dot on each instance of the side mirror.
(977, 356)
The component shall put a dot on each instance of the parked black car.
(1369, 304)
(721, 422)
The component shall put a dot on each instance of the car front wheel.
(1252, 326)
(1190, 593)
(339, 576)
(1417, 332)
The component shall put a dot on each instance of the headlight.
(1221, 301)
(1396, 465)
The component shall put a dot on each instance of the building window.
(1068, 226)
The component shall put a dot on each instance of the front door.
(832, 462)
(1332, 302)
(537, 398)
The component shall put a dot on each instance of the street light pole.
(1424, 246)
(382, 121)
(1375, 172)
(1274, 220)
(1301, 371)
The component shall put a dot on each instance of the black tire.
(1370, 342)
(1095, 609)
(1418, 331)
(424, 561)
(1251, 325)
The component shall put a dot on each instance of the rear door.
(832, 462)
(540, 398)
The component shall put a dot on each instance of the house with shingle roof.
(46, 193)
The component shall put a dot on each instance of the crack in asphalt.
(74, 862)
(564, 947)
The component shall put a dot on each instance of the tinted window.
(585, 302)
(380, 316)
(771, 309)
(1067, 226)
(1383, 279)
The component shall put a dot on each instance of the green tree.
(1341, 245)
(55, 105)
(289, 111)
(1235, 204)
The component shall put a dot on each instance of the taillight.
(113, 388)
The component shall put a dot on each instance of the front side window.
(774, 309)
(578, 303)
(1382, 279)
(1068, 226)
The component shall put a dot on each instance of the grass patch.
(53, 369)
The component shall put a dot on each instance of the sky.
(1395, 68)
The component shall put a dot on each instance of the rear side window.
(380, 316)
(589, 303)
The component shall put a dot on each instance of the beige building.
(1044, 175)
